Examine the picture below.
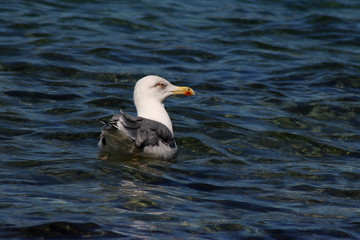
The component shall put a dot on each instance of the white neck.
(153, 110)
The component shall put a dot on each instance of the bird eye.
(162, 85)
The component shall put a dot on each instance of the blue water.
(268, 148)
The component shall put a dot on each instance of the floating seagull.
(151, 132)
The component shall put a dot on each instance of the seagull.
(150, 133)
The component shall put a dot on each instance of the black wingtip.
(109, 124)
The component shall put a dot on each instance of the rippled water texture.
(268, 148)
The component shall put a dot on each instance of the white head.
(149, 94)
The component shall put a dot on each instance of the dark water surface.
(269, 147)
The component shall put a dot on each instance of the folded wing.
(142, 131)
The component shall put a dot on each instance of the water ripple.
(268, 148)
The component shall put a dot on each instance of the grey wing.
(124, 122)
(130, 125)
(146, 132)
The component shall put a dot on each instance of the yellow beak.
(184, 90)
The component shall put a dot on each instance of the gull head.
(154, 88)
(149, 94)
